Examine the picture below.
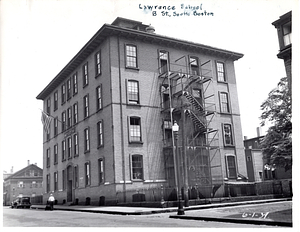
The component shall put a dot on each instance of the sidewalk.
(209, 212)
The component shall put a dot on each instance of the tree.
(277, 109)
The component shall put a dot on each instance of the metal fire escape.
(188, 97)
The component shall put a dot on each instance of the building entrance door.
(69, 183)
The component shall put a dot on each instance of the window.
(85, 76)
(87, 174)
(55, 100)
(48, 183)
(48, 134)
(48, 106)
(131, 56)
(55, 181)
(63, 150)
(55, 154)
(99, 97)
(220, 72)
(63, 179)
(76, 176)
(75, 113)
(224, 102)
(55, 126)
(69, 88)
(133, 92)
(48, 157)
(75, 87)
(63, 121)
(21, 184)
(98, 63)
(163, 61)
(86, 140)
(287, 33)
(63, 93)
(228, 138)
(86, 106)
(69, 117)
(33, 184)
(69, 151)
(75, 142)
(137, 167)
(101, 170)
(194, 65)
(231, 167)
(100, 133)
(135, 129)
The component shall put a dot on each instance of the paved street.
(58, 218)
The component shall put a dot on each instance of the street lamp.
(175, 129)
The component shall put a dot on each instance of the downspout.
(121, 120)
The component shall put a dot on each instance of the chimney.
(35, 164)
(245, 137)
(258, 131)
(12, 169)
(28, 162)
(150, 29)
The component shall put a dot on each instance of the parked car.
(21, 202)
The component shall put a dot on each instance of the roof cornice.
(110, 30)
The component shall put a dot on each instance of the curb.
(234, 220)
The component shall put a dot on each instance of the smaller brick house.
(26, 182)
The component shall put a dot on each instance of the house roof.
(17, 175)
(283, 19)
(134, 30)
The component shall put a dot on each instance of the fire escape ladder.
(193, 101)
(196, 120)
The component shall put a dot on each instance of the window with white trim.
(228, 136)
(63, 150)
(100, 133)
(98, 63)
(86, 139)
(69, 117)
(85, 75)
(55, 126)
(75, 113)
(55, 154)
(137, 167)
(131, 56)
(48, 157)
(99, 97)
(224, 103)
(163, 61)
(194, 64)
(133, 92)
(287, 33)
(101, 170)
(69, 145)
(55, 181)
(221, 72)
(76, 174)
(55, 100)
(75, 142)
(231, 167)
(63, 93)
(69, 87)
(135, 129)
(48, 183)
(86, 106)
(75, 85)
(63, 121)
(87, 173)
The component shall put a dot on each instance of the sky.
(39, 37)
